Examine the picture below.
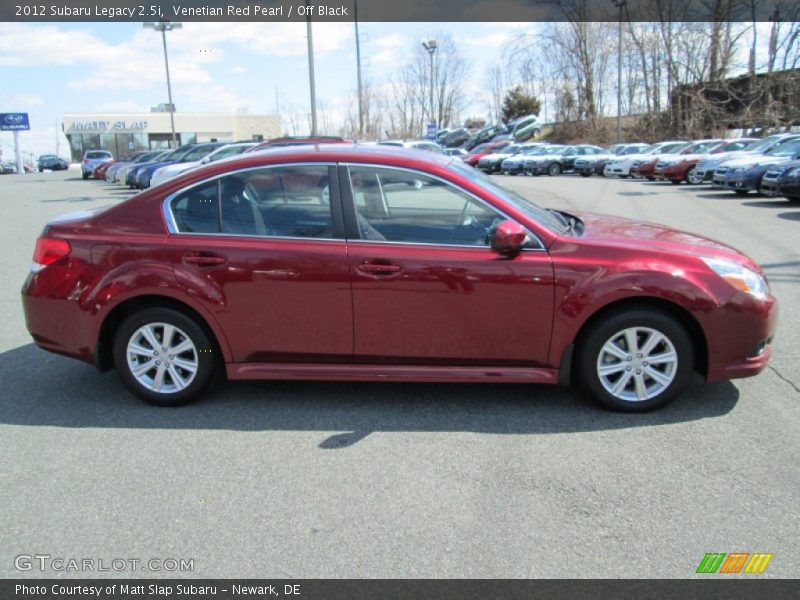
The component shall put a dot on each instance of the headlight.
(739, 276)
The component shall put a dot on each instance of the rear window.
(98, 155)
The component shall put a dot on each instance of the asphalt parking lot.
(304, 479)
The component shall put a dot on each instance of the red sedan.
(369, 263)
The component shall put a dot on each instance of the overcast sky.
(50, 69)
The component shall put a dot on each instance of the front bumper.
(745, 349)
(741, 183)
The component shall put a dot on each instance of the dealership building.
(121, 133)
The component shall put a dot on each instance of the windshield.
(98, 155)
(700, 147)
(787, 149)
(635, 149)
(766, 144)
(529, 207)
(479, 148)
(198, 153)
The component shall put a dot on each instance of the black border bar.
(398, 10)
(728, 588)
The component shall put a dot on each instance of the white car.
(173, 170)
(623, 165)
(491, 163)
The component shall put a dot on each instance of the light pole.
(358, 68)
(619, 4)
(431, 46)
(164, 27)
(311, 85)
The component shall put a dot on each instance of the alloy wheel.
(162, 358)
(637, 364)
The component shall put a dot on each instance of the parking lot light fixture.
(430, 47)
(164, 27)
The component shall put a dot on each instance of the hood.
(644, 235)
(757, 159)
(177, 167)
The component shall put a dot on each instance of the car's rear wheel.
(635, 360)
(585, 174)
(554, 169)
(693, 177)
(164, 356)
(85, 175)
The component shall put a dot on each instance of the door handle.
(204, 260)
(372, 268)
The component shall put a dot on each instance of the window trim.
(337, 220)
(351, 228)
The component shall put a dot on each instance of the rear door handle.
(204, 260)
(372, 268)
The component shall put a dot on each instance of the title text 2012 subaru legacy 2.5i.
(372, 263)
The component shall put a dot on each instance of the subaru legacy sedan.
(343, 262)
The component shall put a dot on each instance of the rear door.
(263, 249)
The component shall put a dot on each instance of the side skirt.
(390, 373)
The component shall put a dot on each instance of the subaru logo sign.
(14, 122)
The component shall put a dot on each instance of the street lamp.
(164, 27)
(430, 47)
(619, 4)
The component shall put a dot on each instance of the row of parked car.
(143, 169)
(768, 165)
(516, 130)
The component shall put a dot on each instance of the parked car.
(258, 265)
(527, 128)
(459, 152)
(174, 169)
(684, 168)
(594, 164)
(480, 151)
(559, 161)
(783, 180)
(166, 157)
(92, 158)
(456, 138)
(514, 165)
(195, 153)
(486, 134)
(491, 163)
(708, 166)
(743, 175)
(52, 162)
(115, 171)
(692, 152)
(7, 168)
(628, 165)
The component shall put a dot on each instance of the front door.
(427, 289)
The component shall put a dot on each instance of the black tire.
(85, 175)
(675, 181)
(586, 174)
(554, 169)
(741, 192)
(793, 198)
(41, 170)
(591, 343)
(205, 353)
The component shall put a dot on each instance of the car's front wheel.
(554, 169)
(164, 357)
(635, 360)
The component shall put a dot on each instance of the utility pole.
(619, 4)
(431, 46)
(358, 68)
(309, 35)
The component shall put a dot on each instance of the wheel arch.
(104, 358)
(683, 316)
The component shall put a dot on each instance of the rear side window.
(270, 202)
(197, 209)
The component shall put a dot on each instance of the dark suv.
(52, 162)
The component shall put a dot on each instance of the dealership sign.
(104, 126)
(14, 122)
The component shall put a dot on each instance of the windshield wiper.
(570, 223)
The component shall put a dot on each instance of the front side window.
(403, 206)
(270, 202)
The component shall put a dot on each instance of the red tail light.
(49, 250)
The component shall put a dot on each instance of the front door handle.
(374, 268)
(204, 260)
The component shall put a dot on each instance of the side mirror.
(508, 237)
